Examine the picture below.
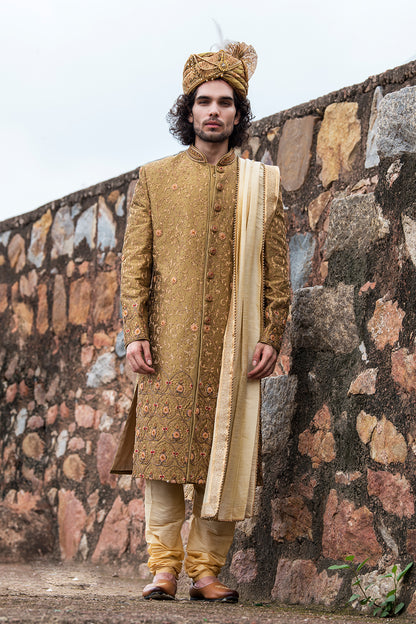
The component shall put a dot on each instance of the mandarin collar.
(197, 156)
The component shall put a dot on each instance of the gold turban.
(235, 64)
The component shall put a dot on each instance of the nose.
(214, 110)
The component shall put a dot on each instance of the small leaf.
(385, 613)
(357, 582)
(354, 597)
(390, 598)
(403, 572)
(394, 569)
(377, 611)
(399, 608)
(392, 592)
(387, 576)
(368, 586)
(362, 564)
(349, 558)
(343, 566)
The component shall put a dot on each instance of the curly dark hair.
(183, 130)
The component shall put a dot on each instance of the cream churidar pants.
(209, 540)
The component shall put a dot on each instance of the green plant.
(389, 606)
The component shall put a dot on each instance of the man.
(204, 292)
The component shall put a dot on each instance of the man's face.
(214, 114)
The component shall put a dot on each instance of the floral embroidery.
(173, 280)
(174, 187)
(158, 232)
(194, 327)
(137, 331)
(192, 232)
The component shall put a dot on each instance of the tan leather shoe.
(211, 589)
(163, 587)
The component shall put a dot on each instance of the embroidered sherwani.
(177, 269)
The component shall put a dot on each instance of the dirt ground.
(82, 594)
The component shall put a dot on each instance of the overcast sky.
(86, 84)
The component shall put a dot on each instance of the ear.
(191, 118)
(237, 118)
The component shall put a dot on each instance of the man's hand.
(264, 361)
(139, 357)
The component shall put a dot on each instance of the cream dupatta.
(231, 480)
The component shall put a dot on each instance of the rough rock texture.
(298, 582)
(294, 154)
(27, 528)
(337, 140)
(396, 131)
(355, 224)
(301, 250)
(394, 492)
(349, 531)
(323, 319)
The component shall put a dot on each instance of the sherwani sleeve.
(276, 279)
(136, 265)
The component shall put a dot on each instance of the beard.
(212, 137)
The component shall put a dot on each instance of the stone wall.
(339, 442)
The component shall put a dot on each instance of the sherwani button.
(210, 275)
(220, 186)
(220, 168)
(214, 229)
(208, 298)
(217, 208)
(212, 251)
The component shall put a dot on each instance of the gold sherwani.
(177, 271)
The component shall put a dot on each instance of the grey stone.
(396, 132)
(75, 210)
(355, 223)
(301, 251)
(87, 227)
(277, 409)
(120, 205)
(120, 348)
(267, 159)
(21, 419)
(4, 237)
(106, 228)
(103, 371)
(61, 443)
(40, 229)
(323, 319)
(409, 229)
(62, 233)
(254, 143)
(372, 158)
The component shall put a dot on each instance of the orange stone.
(393, 491)
(294, 153)
(71, 522)
(84, 416)
(386, 323)
(59, 319)
(387, 445)
(79, 301)
(338, 137)
(23, 315)
(101, 339)
(114, 536)
(42, 322)
(365, 382)
(105, 289)
(16, 253)
(316, 208)
(349, 531)
(403, 369)
(318, 441)
(33, 446)
(74, 467)
(3, 298)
